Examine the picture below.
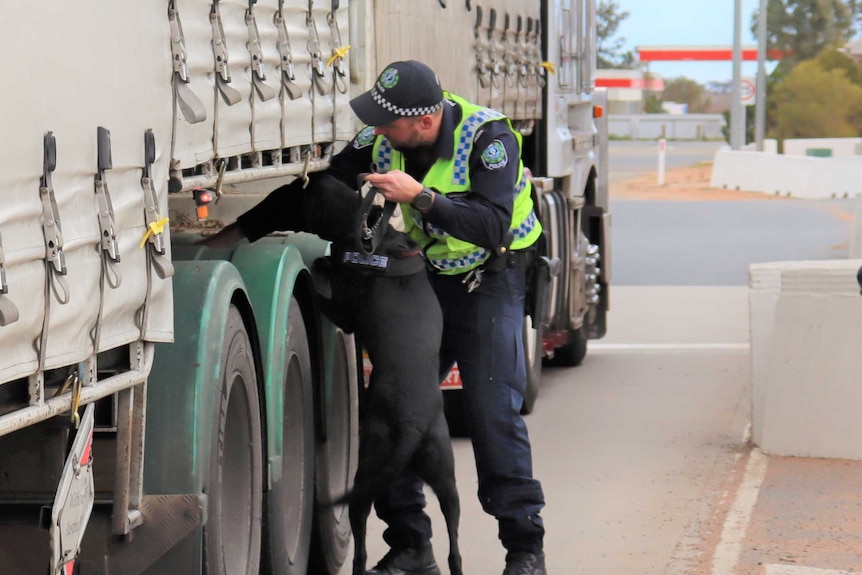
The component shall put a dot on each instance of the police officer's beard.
(415, 141)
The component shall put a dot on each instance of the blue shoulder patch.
(364, 138)
(495, 156)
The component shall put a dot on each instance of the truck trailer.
(170, 408)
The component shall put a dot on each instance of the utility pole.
(737, 110)
(760, 96)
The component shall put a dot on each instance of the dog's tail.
(380, 470)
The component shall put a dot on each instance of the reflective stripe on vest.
(448, 254)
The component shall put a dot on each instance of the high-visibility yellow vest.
(445, 253)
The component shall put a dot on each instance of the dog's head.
(330, 207)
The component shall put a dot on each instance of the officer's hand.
(396, 186)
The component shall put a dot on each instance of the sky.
(688, 23)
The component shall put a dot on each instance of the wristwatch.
(423, 201)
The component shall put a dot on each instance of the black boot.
(524, 563)
(408, 561)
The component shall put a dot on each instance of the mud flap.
(168, 519)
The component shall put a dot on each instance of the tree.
(813, 102)
(686, 91)
(832, 59)
(801, 28)
(609, 52)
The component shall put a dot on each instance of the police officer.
(456, 170)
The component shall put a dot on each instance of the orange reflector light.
(203, 212)
(598, 111)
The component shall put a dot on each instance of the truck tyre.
(533, 350)
(572, 353)
(336, 463)
(232, 534)
(290, 500)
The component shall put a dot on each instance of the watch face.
(422, 201)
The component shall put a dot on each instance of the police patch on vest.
(494, 156)
(364, 138)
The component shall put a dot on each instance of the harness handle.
(369, 234)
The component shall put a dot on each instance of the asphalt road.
(638, 448)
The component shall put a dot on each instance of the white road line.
(735, 526)
(773, 569)
(610, 347)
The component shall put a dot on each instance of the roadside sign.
(74, 501)
(747, 91)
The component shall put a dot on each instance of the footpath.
(792, 516)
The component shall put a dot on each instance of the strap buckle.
(338, 52)
(4, 287)
(230, 95)
(50, 214)
(192, 108)
(288, 70)
(258, 69)
(317, 66)
(107, 223)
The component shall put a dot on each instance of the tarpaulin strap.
(55, 258)
(492, 49)
(258, 71)
(107, 223)
(338, 51)
(482, 67)
(154, 238)
(191, 106)
(288, 70)
(8, 311)
(156, 224)
(318, 69)
(230, 95)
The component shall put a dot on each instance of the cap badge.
(389, 78)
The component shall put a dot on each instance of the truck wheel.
(232, 533)
(533, 358)
(336, 463)
(290, 500)
(573, 352)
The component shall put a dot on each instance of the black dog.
(387, 299)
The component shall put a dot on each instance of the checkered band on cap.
(465, 142)
(398, 111)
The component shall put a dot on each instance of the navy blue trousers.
(483, 333)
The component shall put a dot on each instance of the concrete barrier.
(837, 146)
(796, 176)
(806, 348)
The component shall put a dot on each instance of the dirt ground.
(681, 184)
